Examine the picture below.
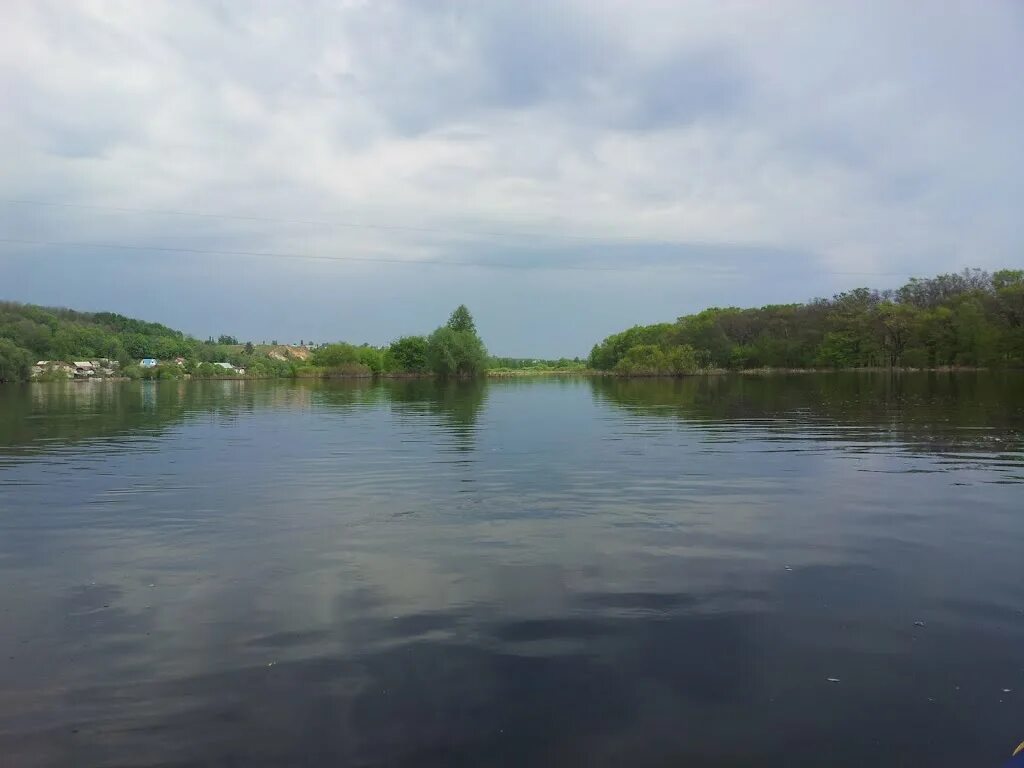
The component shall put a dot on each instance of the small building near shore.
(147, 362)
(52, 367)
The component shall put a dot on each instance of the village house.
(52, 366)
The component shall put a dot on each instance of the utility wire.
(334, 223)
(376, 259)
(399, 228)
(412, 262)
(315, 257)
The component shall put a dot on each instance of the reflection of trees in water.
(343, 394)
(40, 417)
(36, 418)
(930, 406)
(457, 403)
(48, 416)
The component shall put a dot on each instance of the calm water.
(557, 572)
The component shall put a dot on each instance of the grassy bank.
(515, 373)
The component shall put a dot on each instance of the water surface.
(541, 572)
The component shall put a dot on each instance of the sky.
(354, 170)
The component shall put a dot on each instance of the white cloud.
(855, 136)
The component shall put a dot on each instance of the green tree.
(372, 358)
(681, 360)
(606, 355)
(455, 349)
(407, 354)
(895, 322)
(642, 360)
(15, 362)
(938, 336)
(461, 320)
(976, 340)
(335, 355)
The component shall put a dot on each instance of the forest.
(29, 334)
(966, 319)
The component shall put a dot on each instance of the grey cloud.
(79, 141)
(448, 65)
(688, 86)
(433, 65)
(723, 151)
(693, 260)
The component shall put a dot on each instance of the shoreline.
(531, 374)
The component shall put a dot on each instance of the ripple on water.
(574, 572)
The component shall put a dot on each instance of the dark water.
(560, 572)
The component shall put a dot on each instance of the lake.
(799, 570)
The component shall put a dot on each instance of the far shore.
(557, 373)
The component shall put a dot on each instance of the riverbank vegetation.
(503, 367)
(136, 349)
(453, 350)
(968, 319)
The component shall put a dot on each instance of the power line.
(335, 223)
(405, 228)
(315, 257)
(408, 262)
(384, 227)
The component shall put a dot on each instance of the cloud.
(849, 137)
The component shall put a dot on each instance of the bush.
(372, 358)
(652, 360)
(681, 360)
(455, 349)
(161, 372)
(456, 353)
(15, 362)
(347, 369)
(407, 354)
(334, 355)
(307, 371)
(642, 360)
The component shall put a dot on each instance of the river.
(791, 570)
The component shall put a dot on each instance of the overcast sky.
(589, 165)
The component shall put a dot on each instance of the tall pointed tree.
(462, 320)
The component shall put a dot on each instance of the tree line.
(971, 318)
(29, 334)
(454, 350)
